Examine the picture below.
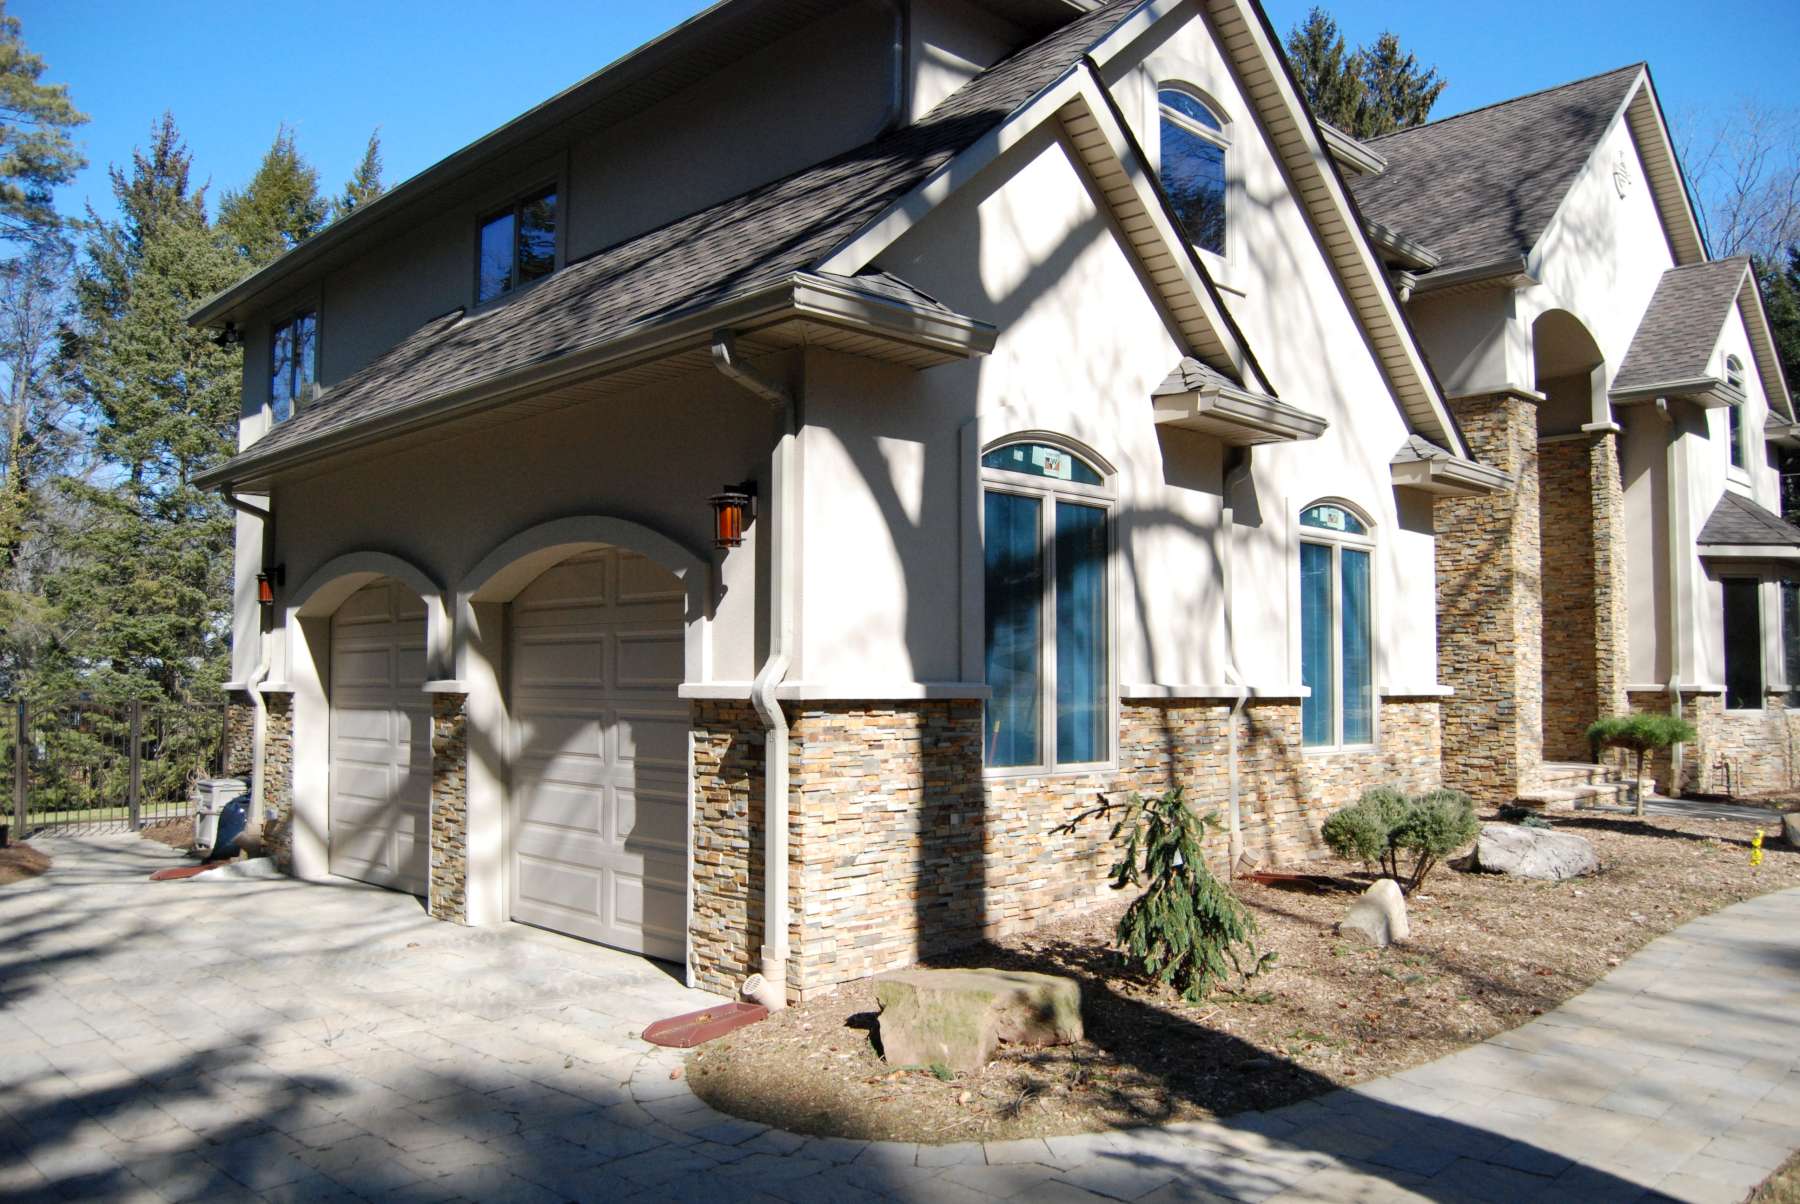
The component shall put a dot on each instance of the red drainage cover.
(185, 871)
(697, 1028)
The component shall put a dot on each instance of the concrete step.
(1564, 799)
(1563, 775)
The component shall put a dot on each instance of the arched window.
(1194, 140)
(1046, 548)
(1336, 627)
(1734, 376)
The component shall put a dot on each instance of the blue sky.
(436, 75)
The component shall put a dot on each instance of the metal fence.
(80, 765)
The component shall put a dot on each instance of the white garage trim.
(334, 581)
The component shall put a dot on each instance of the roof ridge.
(1511, 100)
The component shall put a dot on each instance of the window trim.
(287, 317)
(554, 186)
(1338, 541)
(1049, 491)
(1221, 138)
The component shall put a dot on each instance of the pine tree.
(36, 150)
(142, 601)
(278, 210)
(1366, 92)
(365, 183)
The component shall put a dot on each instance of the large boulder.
(957, 1017)
(1790, 829)
(1539, 853)
(1378, 915)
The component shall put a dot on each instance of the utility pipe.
(769, 988)
(1674, 586)
(900, 94)
(259, 727)
(1237, 473)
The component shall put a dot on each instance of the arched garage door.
(380, 739)
(600, 749)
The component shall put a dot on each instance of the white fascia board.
(1738, 553)
(1237, 418)
(1762, 341)
(886, 228)
(1707, 392)
(1450, 478)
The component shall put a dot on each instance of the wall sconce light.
(230, 336)
(733, 508)
(266, 581)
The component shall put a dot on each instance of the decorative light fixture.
(230, 336)
(733, 508)
(266, 581)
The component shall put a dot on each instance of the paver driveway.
(225, 1040)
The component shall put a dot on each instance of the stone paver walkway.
(268, 1040)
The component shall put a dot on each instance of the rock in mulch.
(1378, 915)
(1539, 853)
(956, 1018)
(1790, 829)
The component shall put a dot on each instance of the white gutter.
(1238, 474)
(781, 510)
(259, 729)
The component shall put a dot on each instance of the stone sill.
(1135, 691)
(846, 691)
(1433, 691)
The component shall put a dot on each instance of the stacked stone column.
(278, 780)
(447, 890)
(1606, 492)
(1490, 608)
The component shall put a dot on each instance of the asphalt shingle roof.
(1482, 186)
(1675, 340)
(1417, 448)
(1190, 376)
(1738, 520)
(749, 241)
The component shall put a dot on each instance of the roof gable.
(1675, 341)
(1482, 187)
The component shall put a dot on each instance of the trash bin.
(232, 820)
(211, 795)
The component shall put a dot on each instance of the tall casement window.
(293, 364)
(1336, 628)
(1194, 141)
(1734, 376)
(1790, 639)
(517, 246)
(1046, 516)
(1743, 644)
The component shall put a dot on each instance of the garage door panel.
(649, 660)
(600, 755)
(380, 740)
(546, 663)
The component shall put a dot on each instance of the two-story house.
(743, 509)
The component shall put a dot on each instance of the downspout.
(769, 987)
(1237, 473)
(260, 723)
(900, 69)
(1674, 585)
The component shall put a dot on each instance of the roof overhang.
(1350, 153)
(1400, 250)
(1707, 392)
(1236, 417)
(1450, 477)
(1743, 553)
(1781, 433)
(804, 309)
(1511, 272)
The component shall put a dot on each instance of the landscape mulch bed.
(1487, 953)
(176, 833)
(19, 862)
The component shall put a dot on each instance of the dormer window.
(517, 246)
(293, 364)
(1194, 141)
(1734, 376)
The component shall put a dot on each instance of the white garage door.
(599, 757)
(380, 739)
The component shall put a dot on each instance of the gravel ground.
(1487, 953)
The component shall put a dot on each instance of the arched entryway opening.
(1580, 509)
(585, 631)
(366, 632)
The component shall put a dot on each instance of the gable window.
(293, 364)
(1743, 644)
(1734, 376)
(1194, 140)
(517, 246)
(1336, 628)
(1047, 518)
(1790, 639)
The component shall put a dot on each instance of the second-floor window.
(294, 364)
(1734, 376)
(517, 246)
(1194, 140)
